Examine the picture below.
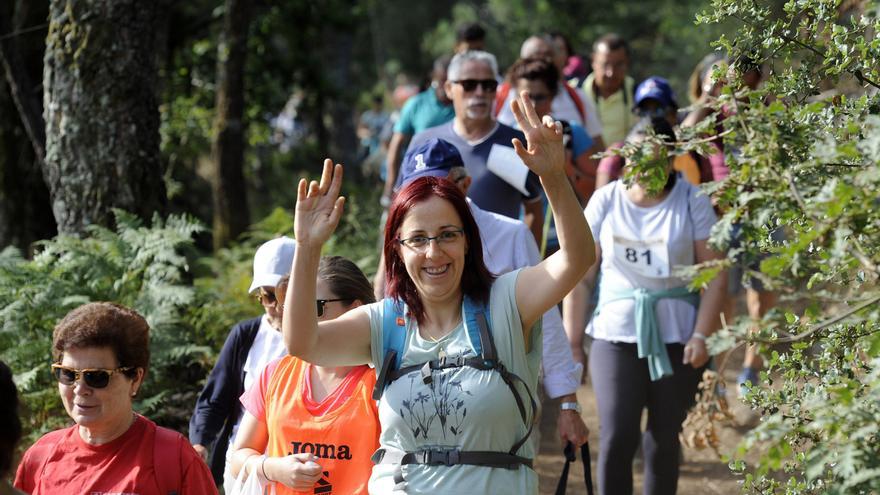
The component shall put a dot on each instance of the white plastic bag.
(252, 484)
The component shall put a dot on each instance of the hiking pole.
(571, 456)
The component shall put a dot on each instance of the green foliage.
(145, 268)
(222, 279)
(803, 157)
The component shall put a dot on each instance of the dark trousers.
(623, 390)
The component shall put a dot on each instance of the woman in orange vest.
(318, 426)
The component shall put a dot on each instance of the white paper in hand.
(505, 163)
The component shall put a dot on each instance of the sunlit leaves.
(804, 159)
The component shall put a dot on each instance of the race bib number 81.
(648, 258)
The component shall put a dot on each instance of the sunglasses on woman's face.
(266, 298)
(93, 377)
(322, 302)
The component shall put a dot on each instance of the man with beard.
(501, 182)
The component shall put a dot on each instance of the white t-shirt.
(641, 246)
(268, 346)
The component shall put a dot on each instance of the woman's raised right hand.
(318, 206)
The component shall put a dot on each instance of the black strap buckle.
(444, 457)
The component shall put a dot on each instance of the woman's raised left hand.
(545, 153)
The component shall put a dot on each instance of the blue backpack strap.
(393, 329)
(393, 341)
(472, 311)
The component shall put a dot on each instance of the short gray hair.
(457, 173)
(459, 60)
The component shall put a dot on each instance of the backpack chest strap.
(450, 457)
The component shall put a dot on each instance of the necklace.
(440, 340)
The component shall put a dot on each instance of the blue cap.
(656, 88)
(434, 158)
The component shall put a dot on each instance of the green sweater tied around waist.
(649, 341)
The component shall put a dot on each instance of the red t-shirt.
(62, 463)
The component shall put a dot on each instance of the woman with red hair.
(456, 350)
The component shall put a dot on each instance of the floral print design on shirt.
(442, 400)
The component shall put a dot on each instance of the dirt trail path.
(701, 474)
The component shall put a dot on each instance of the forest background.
(141, 162)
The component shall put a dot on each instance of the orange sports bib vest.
(344, 438)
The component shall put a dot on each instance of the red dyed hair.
(476, 279)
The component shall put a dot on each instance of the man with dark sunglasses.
(251, 345)
(501, 182)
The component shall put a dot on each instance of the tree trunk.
(338, 52)
(19, 80)
(102, 120)
(231, 216)
(25, 214)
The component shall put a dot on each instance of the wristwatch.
(571, 406)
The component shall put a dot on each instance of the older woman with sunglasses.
(102, 354)
(457, 351)
(318, 426)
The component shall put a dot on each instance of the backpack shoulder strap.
(577, 102)
(393, 329)
(501, 96)
(478, 331)
(393, 341)
(166, 460)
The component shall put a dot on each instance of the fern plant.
(144, 267)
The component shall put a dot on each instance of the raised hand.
(545, 153)
(318, 206)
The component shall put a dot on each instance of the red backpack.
(504, 90)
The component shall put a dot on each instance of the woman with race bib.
(456, 350)
(649, 331)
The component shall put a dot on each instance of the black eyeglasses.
(93, 377)
(420, 243)
(266, 298)
(539, 98)
(322, 302)
(488, 85)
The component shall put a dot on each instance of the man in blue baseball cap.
(654, 98)
(433, 158)
(507, 245)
